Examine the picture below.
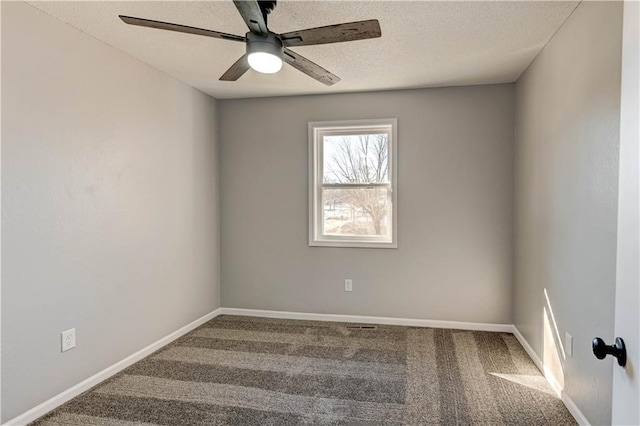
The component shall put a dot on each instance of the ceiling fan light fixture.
(264, 53)
(264, 62)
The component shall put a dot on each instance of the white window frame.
(317, 130)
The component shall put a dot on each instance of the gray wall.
(109, 206)
(567, 142)
(455, 177)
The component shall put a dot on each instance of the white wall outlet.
(68, 339)
(348, 285)
(568, 345)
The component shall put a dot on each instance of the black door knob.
(601, 350)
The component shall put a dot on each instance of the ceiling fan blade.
(236, 70)
(349, 31)
(179, 28)
(252, 15)
(311, 69)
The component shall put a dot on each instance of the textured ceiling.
(423, 43)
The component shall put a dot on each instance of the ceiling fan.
(265, 49)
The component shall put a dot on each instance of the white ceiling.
(423, 43)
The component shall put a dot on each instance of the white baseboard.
(527, 347)
(87, 384)
(574, 410)
(507, 328)
(553, 382)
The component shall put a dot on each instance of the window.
(352, 183)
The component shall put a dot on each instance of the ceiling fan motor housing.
(269, 43)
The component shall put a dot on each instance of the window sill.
(354, 244)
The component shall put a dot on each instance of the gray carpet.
(257, 371)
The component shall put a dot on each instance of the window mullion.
(356, 185)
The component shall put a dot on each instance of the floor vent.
(362, 327)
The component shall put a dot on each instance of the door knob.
(601, 350)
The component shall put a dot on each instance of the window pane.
(356, 212)
(355, 158)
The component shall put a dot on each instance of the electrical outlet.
(68, 339)
(348, 285)
(568, 345)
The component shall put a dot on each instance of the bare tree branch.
(362, 160)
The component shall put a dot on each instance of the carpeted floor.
(257, 371)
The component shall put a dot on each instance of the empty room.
(241, 212)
